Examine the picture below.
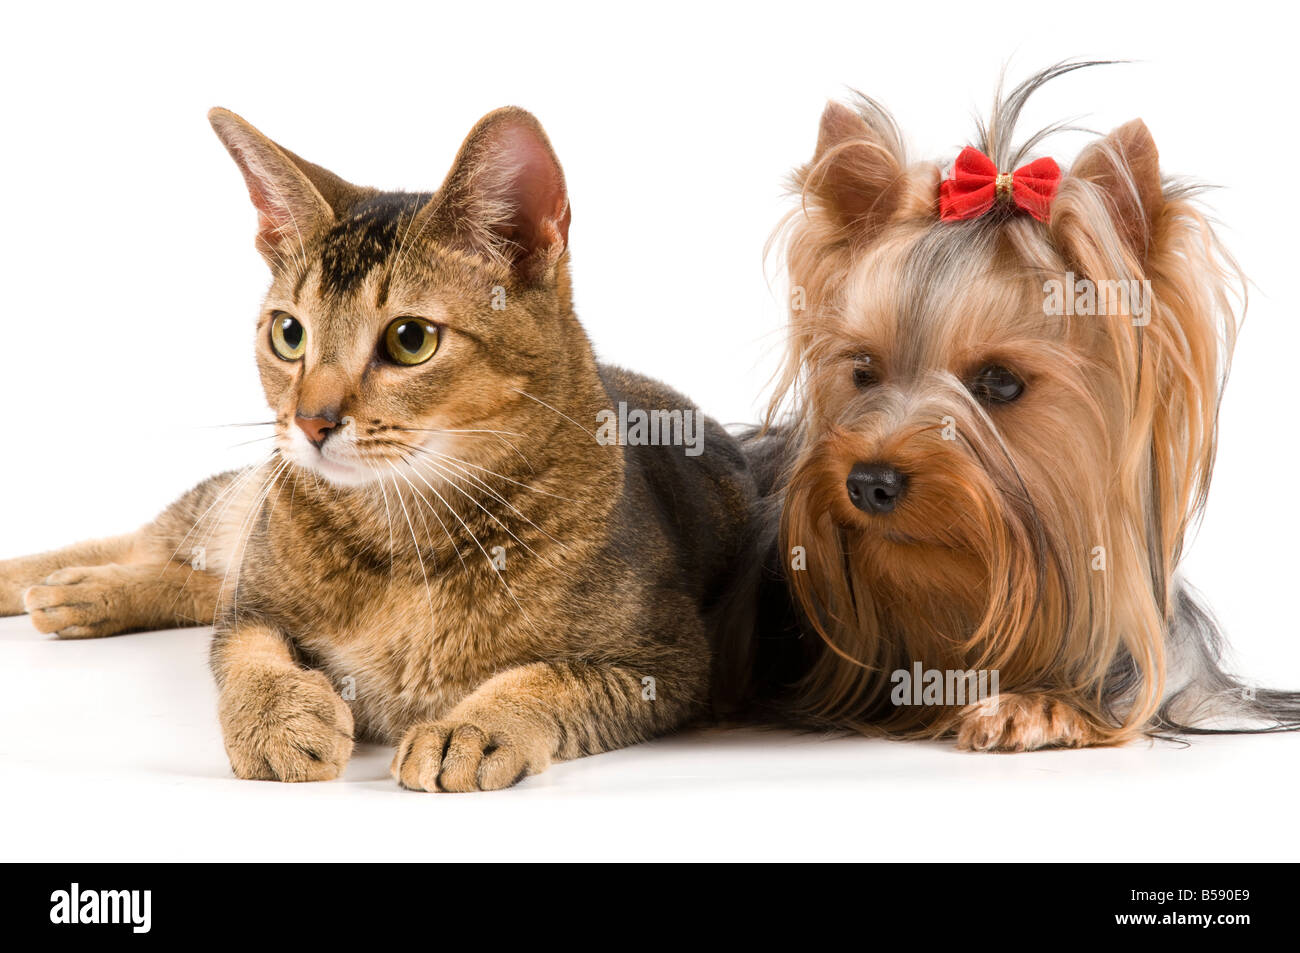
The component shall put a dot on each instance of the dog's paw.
(468, 754)
(80, 603)
(1010, 722)
(285, 725)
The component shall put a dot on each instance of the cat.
(438, 534)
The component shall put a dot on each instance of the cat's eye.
(288, 336)
(995, 384)
(864, 372)
(411, 341)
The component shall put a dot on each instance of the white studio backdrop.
(131, 283)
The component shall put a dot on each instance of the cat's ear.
(504, 196)
(338, 193)
(290, 206)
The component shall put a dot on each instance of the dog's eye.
(996, 385)
(864, 372)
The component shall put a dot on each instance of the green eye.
(411, 341)
(288, 336)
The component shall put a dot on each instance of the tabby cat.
(439, 554)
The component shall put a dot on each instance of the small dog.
(1005, 387)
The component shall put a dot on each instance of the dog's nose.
(875, 487)
(317, 428)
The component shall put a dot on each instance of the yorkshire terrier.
(994, 426)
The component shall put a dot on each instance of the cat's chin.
(336, 472)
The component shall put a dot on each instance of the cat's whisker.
(388, 516)
(245, 531)
(479, 482)
(509, 433)
(445, 474)
(517, 451)
(419, 557)
(278, 490)
(499, 434)
(499, 476)
(429, 504)
(237, 489)
(245, 443)
(448, 461)
(465, 526)
(225, 494)
(256, 423)
(554, 410)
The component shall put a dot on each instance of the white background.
(126, 314)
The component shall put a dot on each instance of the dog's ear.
(1124, 170)
(853, 175)
(1113, 220)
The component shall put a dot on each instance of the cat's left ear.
(505, 195)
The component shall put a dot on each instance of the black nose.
(875, 487)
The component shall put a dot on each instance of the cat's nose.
(317, 428)
(876, 487)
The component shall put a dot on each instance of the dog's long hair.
(1039, 539)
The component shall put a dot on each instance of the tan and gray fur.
(490, 587)
(1039, 529)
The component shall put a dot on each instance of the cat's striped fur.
(500, 590)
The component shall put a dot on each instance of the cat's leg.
(280, 722)
(520, 720)
(92, 601)
(19, 575)
(151, 579)
(1025, 722)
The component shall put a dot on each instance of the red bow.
(976, 184)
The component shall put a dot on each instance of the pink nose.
(316, 428)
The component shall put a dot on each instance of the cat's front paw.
(1011, 722)
(284, 724)
(12, 588)
(478, 753)
(79, 603)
